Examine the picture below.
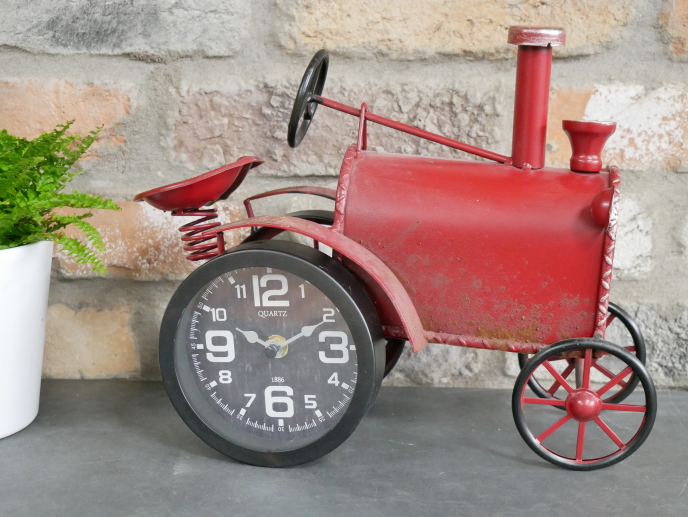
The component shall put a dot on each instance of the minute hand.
(305, 331)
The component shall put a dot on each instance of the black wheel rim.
(625, 447)
(393, 351)
(323, 217)
(638, 347)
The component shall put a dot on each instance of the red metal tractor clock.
(272, 351)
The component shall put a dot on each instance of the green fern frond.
(33, 174)
(58, 222)
(80, 253)
(91, 234)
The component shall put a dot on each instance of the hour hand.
(305, 331)
(252, 337)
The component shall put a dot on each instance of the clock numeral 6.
(342, 346)
(227, 347)
(271, 400)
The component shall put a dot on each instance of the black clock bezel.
(339, 285)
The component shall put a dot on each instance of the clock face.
(265, 359)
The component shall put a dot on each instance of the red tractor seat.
(205, 189)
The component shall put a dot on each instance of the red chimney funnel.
(533, 67)
(587, 141)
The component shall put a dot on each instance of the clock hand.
(252, 337)
(305, 331)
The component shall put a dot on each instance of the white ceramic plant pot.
(24, 283)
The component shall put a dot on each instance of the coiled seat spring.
(196, 247)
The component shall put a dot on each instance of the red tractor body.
(483, 249)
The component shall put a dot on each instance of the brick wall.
(183, 86)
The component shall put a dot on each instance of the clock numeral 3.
(342, 346)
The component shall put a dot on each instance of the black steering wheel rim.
(305, 106)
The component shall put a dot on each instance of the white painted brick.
(633, 254)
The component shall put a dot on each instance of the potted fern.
(33, 174)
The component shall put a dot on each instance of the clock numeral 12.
(263, 282)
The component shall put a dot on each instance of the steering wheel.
(304, 108)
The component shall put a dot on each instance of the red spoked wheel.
(593, 433)
(622, 326)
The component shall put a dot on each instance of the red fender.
(356, 253)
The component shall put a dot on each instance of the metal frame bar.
(365, 115)
(325, 192)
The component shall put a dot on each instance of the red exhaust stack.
(533, 68)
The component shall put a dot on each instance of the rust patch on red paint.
(527, 334)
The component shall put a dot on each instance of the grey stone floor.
(118, 448)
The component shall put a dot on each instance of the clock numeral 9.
(270, 401)
(227, 347)
(342, 346)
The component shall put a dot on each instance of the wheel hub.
(584, 405)
(276, 348)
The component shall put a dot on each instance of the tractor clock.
(272, 351)
(271, 359)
